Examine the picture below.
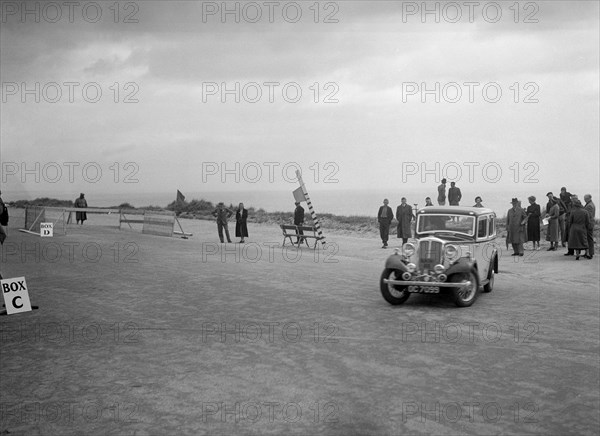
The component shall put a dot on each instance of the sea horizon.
(337, 202)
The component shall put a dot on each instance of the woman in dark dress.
(241, 229)
(579, 221)
(533, 222)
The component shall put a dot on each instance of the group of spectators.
(568, 221)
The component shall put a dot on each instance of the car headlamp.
(451, 252)
(439, 269)
(408, 249)
(411, 267)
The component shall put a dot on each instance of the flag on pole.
(180, 196)
(299, 195)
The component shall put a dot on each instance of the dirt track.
(176, 339)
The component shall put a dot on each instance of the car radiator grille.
(430, 254)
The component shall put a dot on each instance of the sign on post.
(16, 297)
(47, 230)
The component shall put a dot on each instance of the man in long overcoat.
(579, 221)
(590, 208)
(404, 215)
(516, 218)
(299, 221)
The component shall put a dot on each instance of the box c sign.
(16, 297)
(47, 230)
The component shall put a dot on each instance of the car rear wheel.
(465, 296)
(393, 294)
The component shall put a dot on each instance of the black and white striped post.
(313, 215)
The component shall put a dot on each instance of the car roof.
(459, 210)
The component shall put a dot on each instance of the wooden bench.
(291, 231)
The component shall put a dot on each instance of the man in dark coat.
(565, 198)
(222, 214)
(241, 227)
(454, 194)
(404, 215)
(579, 224)
(590, 208)
(299, 220)
(81, 203)
(516, 218)
(385, 215)
(442, 193)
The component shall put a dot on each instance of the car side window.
(492, 229)
(482, 228)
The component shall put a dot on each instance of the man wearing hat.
(442, 193)
(222, 213)
(81, 203)
(299, 220)
(516, 218)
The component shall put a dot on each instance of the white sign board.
(16, 297)
(47, 230)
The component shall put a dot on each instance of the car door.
(483, 264)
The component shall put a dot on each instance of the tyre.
(490, 285)
(393, 294)
(465, 296)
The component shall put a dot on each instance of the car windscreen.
(431, 223)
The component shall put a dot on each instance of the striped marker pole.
(313, 215)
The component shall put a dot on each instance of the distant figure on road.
(515, 222)
(222, 214)
(81, 203)
(590, 208)
(428, 202)
(442, 193)
(241, 229)
(299, 221)
(454, 194)
(478, 201)
(404, 215)
(578, 226)
(534, 214)
(385, 215)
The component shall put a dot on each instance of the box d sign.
(47, 230)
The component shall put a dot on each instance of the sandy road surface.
(164, 336)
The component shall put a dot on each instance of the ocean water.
(339, 202)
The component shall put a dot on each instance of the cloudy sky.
(164, 120)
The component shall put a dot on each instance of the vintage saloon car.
(455, 251)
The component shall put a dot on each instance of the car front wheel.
(490, 284)
(464, 296)
(393, 294)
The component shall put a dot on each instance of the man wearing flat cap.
(222, 214)
(516, 218)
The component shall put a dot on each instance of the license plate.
(424, 289)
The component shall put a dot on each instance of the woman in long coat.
(241, 229)
(515, 221)
(533, 222)
(552, 231)
(404, 215)
(579, 221)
